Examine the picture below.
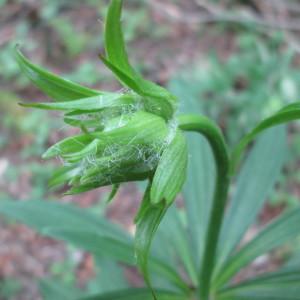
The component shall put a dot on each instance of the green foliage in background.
(254, 82)
(139, 134)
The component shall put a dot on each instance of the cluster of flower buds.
(125, 136)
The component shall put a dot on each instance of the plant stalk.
(215, 138)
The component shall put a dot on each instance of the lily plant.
(137, 134)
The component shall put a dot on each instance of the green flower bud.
(126, 136)
(129, 148)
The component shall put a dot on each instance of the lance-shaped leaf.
(282, 284)
(258, 176)
(84, 229)
(90, 104)
(170, 174)
(135, 294)
(117, 60)
(276, 234)
(57, 88)
(70, 145)
(42, 215)
(124, 78)
(285, 115)
(92, 122)
(114, 41)
(148, 220)
(99, 120)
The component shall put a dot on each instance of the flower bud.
(128, 149)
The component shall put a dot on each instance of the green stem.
(215, 138)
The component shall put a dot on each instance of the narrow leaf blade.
(90, 104)
(57, 88)
(135, 294)
(42, 215)
(258, 176)
(85, 230)
(148, 220)
(281, 284)
(276, 234)
(114, 41)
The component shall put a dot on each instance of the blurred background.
(239, 58)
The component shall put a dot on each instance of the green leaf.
(282, 284)
(117, 56)
(103, 246)
(135, 294)
(148, 220)
(124, 78)
(286, 274)
(285, 115)
(83, 188)
(90, 104)
(113, 192)
(278, 291)
(43, 215)
(117, 61)
(144, 204)
(69, 145)
(114, 41)
(84, 229)
(170, 174)
(258, 176)
(198, 192)
(99, 244)
(89, 122)
(276, 234)
(57, 88)
(176, 250)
